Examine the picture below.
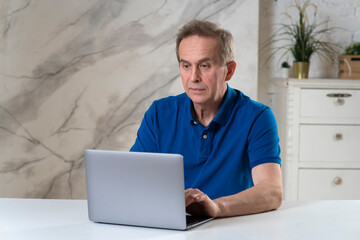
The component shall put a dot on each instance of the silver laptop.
(139, 189)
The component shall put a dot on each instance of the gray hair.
(208, 29)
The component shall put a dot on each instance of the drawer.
(322, 184)
(330, 103)
(329, 143)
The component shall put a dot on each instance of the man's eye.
(186, 66)
(204, 66)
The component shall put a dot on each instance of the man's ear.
(231, 66)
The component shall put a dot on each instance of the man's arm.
(265, 195)
(146, 135)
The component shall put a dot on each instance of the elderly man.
(229, 142)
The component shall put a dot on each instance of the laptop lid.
(141, 189)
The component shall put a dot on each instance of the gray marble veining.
(81, 74)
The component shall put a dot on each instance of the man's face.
(202, 73)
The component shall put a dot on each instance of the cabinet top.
(317, 83)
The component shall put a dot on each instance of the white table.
(67, 219)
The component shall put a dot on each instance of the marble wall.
(80, 74)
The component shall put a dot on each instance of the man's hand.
(199, 204)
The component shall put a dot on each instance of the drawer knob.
(340, 101)
(337, 180)
(340, 97)
(338, 137)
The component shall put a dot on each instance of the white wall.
(341, 14)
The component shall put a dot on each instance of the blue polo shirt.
(218, 158)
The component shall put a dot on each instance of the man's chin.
(197, 100)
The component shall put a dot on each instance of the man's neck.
(203, 115)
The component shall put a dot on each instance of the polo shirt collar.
(189, 110)
(225, 109)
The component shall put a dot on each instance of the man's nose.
(195, 74)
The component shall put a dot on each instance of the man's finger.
(193, 195)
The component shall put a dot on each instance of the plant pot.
(285, 72)
(301, 69)
(349, 66)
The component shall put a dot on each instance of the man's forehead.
(198, 47)
(195, 39)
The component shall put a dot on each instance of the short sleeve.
(263, 140)
(146, 135)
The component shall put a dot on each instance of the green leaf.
(304, 38)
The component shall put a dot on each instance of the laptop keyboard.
(193, 220)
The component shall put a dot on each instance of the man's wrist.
(220, 208)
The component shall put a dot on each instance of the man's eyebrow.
(204, 60)
(200, 61)
(183, 61)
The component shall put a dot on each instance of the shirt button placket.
(205, 148)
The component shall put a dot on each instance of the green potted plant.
(349, 62)
(302, 40)
(353, 49)
(285, 69)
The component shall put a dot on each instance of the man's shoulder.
(181, 98)
(170, 104)
(245, 103)
(171, 99)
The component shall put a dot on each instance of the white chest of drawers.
(319, 128)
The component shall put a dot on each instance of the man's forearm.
(265, 195)
(260, 198)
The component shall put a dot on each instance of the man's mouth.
(197, 90)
